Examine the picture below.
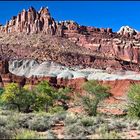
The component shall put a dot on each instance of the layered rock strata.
(35, 47)
(122, 47)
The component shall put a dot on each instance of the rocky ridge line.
(36, 35)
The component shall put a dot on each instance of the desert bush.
(138, 126)
(39, 123)
(19, 121)
(24, 119)
(71, 118)
(110, 135)
(62, 95)
(51, 135)
(95, 94)
(133, 124)
(6, 112)
(116, 125)
(27, 134)
(12, 123)
(78, 131)
(15, 120)
(104, 132)
(5, 133)
(87, 121)
(33, 121)
(56, 109)
(134, 101)
(45, 121)
(75, 131)
(80, 126)
(57, 118)
(3, 121)
(9, 122)
(1, 92)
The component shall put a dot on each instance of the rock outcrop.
(127, 31)
(32, 21)
(31, 68)
(31, 31)
(35, 47)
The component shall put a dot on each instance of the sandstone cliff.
(36, 35)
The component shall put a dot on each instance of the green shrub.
(6, 113)
(110, 135)
(134, 101)
(43, 122)
(62, 95)
(27, 134)
(116, 125)
(103, 128)
(56, 109)
(12, 123)
(1, 92)
(104, 132)
(51, 135)
(24, 119)
(39, 123)
(78, 127)
(4, 133)
(45, 96)
(95, 94)
(40, 98)
(75, 131)
(17, 97)
(71, 118)
(3, 121)
(57, 118)
(87, 121)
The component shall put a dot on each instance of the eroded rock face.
(108, 44)
(32, 21)
(127, 31)
(121, 46)
(31, 69)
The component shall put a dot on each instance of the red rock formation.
(31, 21)
(72, 83)
(119, 88)
(71, 45)
(97, 41)
(89, 46)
